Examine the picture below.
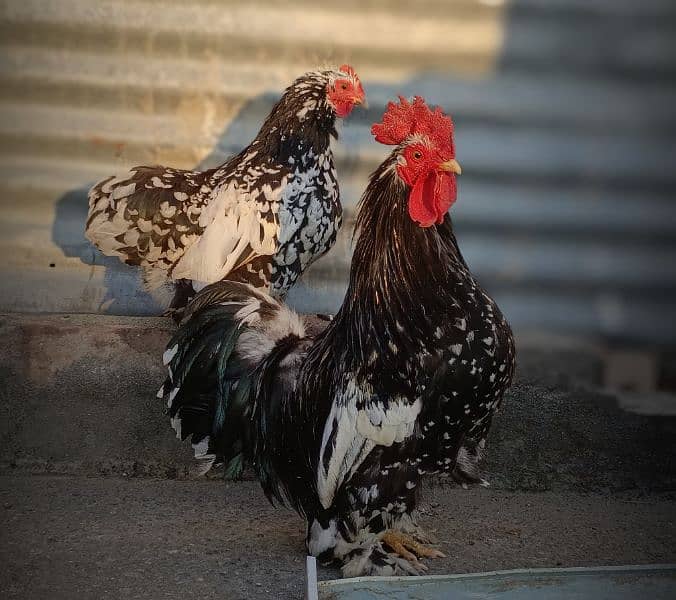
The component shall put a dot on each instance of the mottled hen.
(261, 218)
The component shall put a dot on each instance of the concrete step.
(79, 399)
(124, 539)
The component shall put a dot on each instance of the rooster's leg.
(408, 547)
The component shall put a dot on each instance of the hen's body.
(261, 218)
(402, 383)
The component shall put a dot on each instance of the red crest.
(408, 118)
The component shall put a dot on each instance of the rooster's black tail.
(228, 330)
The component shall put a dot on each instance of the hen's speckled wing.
(193, 225)
(149, 216)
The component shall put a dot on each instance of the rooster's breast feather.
(358, 422)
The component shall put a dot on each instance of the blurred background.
(565, 114)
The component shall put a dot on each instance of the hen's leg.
(183, 291)
(380, 501)
(466, 469)
(407, 523)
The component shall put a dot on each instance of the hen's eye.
(417, 154)
(344, 86)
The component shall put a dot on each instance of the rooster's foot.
(375, 560)
(409, 548)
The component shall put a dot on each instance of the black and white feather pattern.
(260, 218)
(229, 329)
(343, 425)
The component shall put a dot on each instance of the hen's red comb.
(348, 70)
(407, 118)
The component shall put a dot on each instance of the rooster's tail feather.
(228, 330)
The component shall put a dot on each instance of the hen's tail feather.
(123, 208)
(181, 366)
(277, 446)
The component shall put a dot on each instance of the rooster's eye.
(344, 86)
(417, 154)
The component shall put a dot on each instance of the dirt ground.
(78, 537)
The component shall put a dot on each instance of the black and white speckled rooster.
(404, 382)
(261, 218)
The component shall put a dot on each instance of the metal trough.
(642, 582)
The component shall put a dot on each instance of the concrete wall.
(565, 123)
(78, 398)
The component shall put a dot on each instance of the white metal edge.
(311, 589)
(459, 576)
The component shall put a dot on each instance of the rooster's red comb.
(407, 118)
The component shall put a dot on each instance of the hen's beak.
(451, 165)
(360, 100)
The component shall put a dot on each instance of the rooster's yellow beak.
(451, 165)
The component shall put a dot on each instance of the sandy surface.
(76, 537)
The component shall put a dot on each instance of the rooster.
(402, 383)
(261, 218)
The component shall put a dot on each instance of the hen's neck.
(301, 123)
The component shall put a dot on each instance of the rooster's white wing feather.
(359, 422)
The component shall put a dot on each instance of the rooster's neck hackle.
(397, 260)
(399, 280)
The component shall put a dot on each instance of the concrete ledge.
(78, 398)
